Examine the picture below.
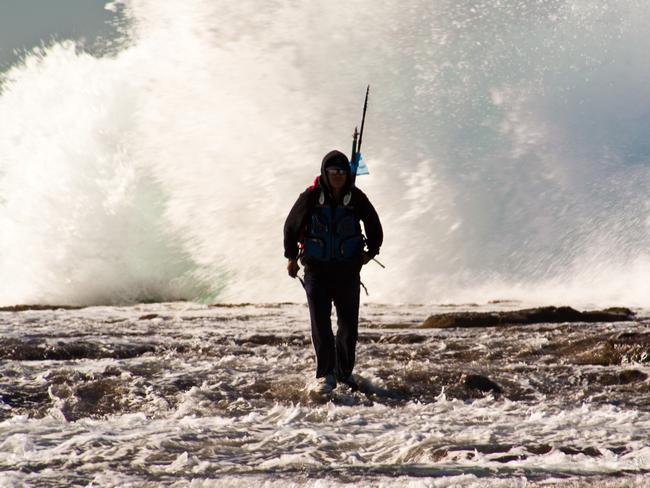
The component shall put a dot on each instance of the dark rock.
(65, 351)
(439, 454)
(401, 339)
(95, 398)
(25, 398)
(631, 376)
(24, 308)
(129, 351)
(185, 383)
(587, 451)
(539, 449)
(271, 340)
(33, 350)
(613, 379)
(627, 336)
(112, 371)
(18, 350)
(481, 383)
(509, 459)
(541, 315)
(150, 316)
(609, 350)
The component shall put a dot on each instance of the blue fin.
(357, 166)
(362, 169)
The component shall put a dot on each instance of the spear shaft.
(357, 138)
(363, 119)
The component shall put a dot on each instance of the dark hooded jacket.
(319, 194)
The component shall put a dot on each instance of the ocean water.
(188, 395)
(158, 159)
(149, 154)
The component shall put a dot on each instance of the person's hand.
(365, 258)
(292, 268)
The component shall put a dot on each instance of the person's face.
(336, 177)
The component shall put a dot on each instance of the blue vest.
(333, 234)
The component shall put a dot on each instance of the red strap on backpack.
(301, 237)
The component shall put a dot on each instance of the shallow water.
(181, 394)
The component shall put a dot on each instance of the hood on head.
(339, 160)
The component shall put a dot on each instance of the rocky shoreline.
(539, 315)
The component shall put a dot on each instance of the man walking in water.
(325, 220)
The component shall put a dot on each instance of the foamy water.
(182, 394)
(507, 148)
(506, 144)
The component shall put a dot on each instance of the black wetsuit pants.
(334, 355)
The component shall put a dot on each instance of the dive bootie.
(324, 385)
(350, 381)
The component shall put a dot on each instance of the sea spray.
(506, 141)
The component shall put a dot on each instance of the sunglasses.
(336, 171)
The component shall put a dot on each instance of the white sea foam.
(223, 406)
(505, 144)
